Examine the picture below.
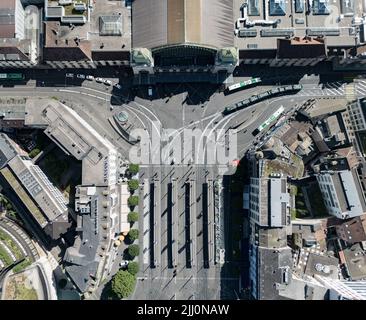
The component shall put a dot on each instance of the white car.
(90, 78)
(69, 75)
(80, 76)
(100, 80)
(123, 263)
(107, 82)
(118, 86)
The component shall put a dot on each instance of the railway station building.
(183, 36)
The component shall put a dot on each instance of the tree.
(133, 201)
(133, 250)
(35, 152)
(123, 284)
(133, 268)
(133, 185)
(133, 234)
(133, 217)
(133, 168)
(62, 283)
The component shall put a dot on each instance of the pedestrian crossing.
(336, 89)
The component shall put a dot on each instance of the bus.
(243, 85)
(11, 76)
(270, 120)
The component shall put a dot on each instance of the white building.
(342, 193)
(269, 201)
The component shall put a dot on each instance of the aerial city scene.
(182, 150)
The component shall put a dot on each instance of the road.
(176, 217)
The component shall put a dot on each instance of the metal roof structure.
(170, 22)
(110, 25)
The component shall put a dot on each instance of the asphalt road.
(175, 228)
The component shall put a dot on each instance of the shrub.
(133, 268)
(133, 168)
(133, 217)
(133, 185)
(133, 250)
(133, 201)
(133, 234)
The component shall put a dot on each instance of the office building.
(342, 193)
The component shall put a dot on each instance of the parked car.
(100, 80)
(69, 75)
(107, 82)
(118, 86)
(123, 264)
(90, 78)
(80, 76)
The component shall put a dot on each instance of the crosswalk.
(336, 89)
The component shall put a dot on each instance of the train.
(242, 85)
(12, 76)
(260, 97)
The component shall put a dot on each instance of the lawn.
(301, 209)
(21, 266)
(17, 290)
(4, 257)
(276, 166)
(11, 244)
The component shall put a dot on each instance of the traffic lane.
(246, 138)
(96, 113)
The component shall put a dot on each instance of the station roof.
(164, 22)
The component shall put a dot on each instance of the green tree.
(133, 250)
(133, 234)
(133, 168)
(35, 152)
(133, 185)
(133, 217)
(133, 268)
(123, 284)
(133, 201)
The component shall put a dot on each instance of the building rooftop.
(7, 19)
(353, 230)
(162, 22)
(7, 150)
(323, 265)
(106, 36)
(273, 272)
(263, 22)
(356, 262)
(77, 138)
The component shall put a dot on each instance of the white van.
(150, 91)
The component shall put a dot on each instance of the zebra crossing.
(335, 89)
